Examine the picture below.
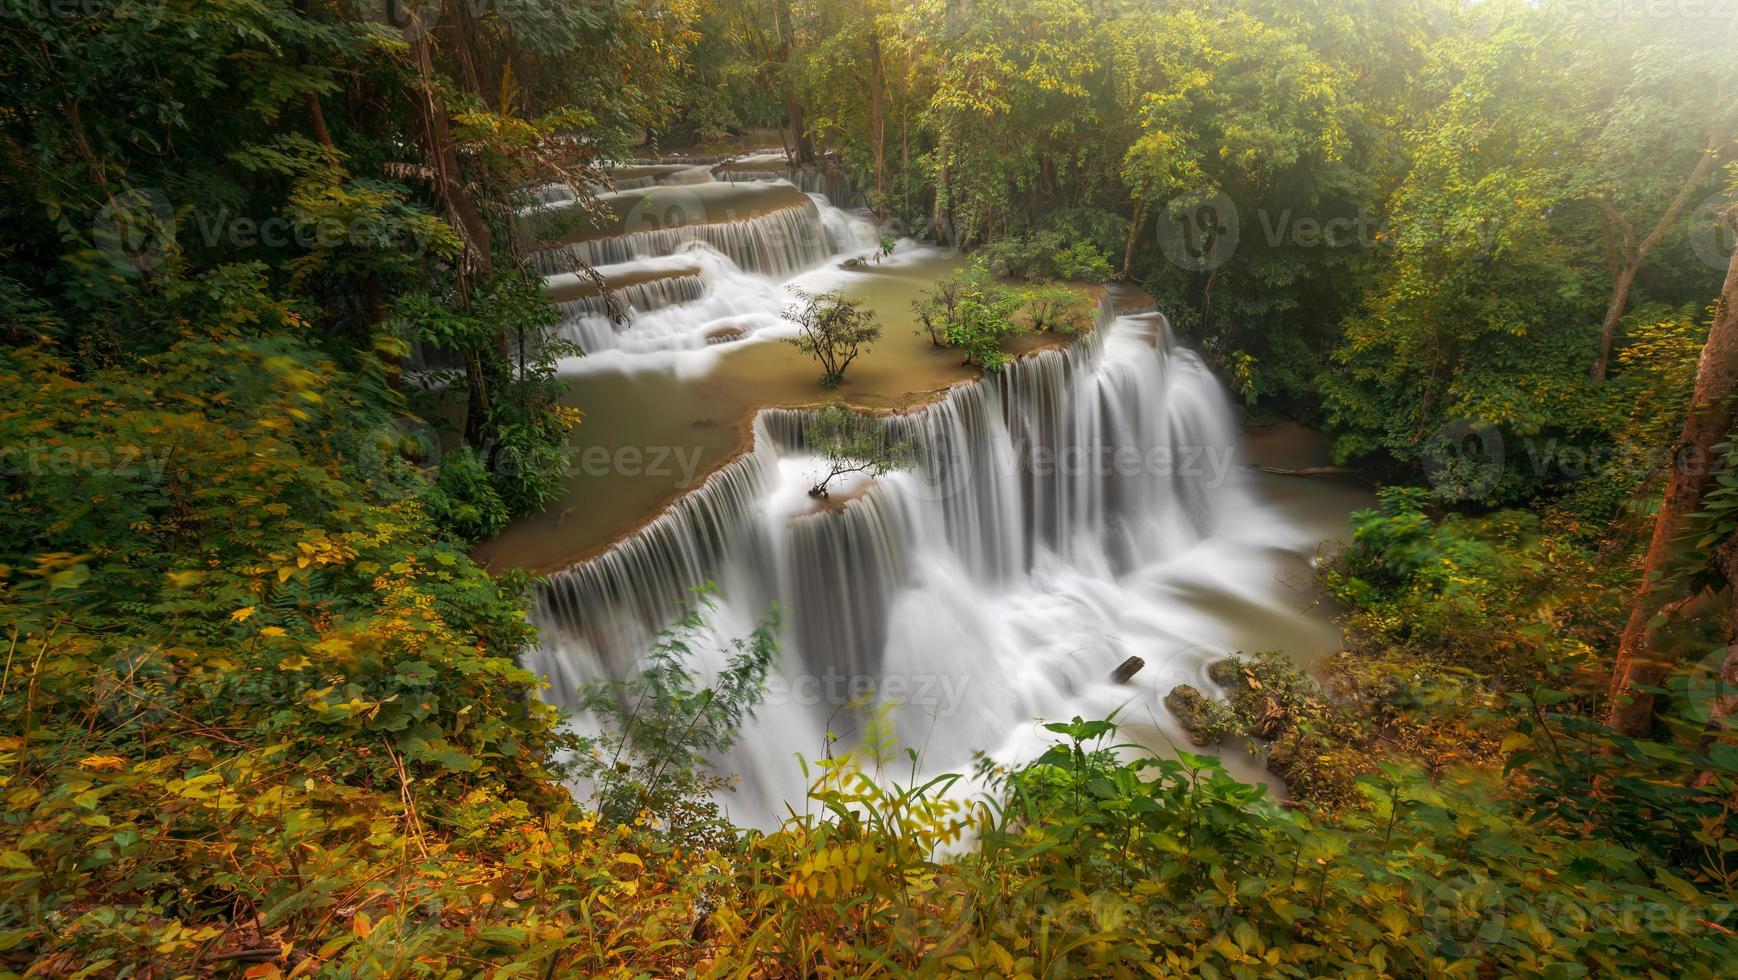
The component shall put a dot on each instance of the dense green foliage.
(1342, 203)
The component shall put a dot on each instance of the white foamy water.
(741, 271)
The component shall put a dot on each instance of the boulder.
(1193, 711)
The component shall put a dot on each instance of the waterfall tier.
(778, 243)
(1007, 553)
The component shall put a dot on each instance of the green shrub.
(462, 498)
(1047, 255)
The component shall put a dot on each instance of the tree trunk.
(878, 122)
(793, 107)
(1134, 228)
(476, 261)
(316, 114)
(1635, 253)
(1613, 314)
(1639, 663)
(455, 198)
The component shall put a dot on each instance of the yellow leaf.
(102, 762)
(242, 613)
(361, 925)
(633, 859)
(271, 631)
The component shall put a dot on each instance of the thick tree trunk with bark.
(878, 122)
(1134, 228)
(805, 151)
(476, 261)
(1640, 664)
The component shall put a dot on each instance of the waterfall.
(703, 294)
(834, 185)
(586, 321)
(780, 243)
(596, 616)
(1031, 548)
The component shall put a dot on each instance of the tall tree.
(1640, 662)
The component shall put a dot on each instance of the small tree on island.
(972, 311)
(936, 308)
(831, 329)
(1055, 308)
(978, 329)
(852, 442)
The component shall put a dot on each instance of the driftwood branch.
(1307, 470)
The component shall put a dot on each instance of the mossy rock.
(1252, 704)
(1228, 674)
(1194, 712)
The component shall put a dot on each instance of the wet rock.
(1230, 675)
(1193, 711)
(725, 335)
(1127, 670)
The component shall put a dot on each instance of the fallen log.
(1307, 470)
(1127, 670)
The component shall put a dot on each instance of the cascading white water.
(1056, 519)
(836, 187)
(778, 243)
(730, 290)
